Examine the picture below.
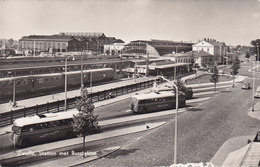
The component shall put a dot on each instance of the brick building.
(66, 42)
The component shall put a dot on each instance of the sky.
(235, 22)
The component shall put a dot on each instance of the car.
(188, 92)
(246, 86)
(257, 92)
(221, 71)
(111, 95)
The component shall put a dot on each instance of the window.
(41, 80)
(208, 50)
(4, 84)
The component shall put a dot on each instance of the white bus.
(155, 101)
(41, 128)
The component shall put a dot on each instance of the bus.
(42, 128)
(155, 101)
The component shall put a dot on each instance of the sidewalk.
(5, 107)
(235, 143)
(7, 129)
(115, 132)
(66, 145)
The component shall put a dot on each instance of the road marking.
(198, 100)
(212, 87)
(204, 93)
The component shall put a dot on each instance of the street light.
(65, 101)
(14, 102)
(176, 114)
(257, 58)
(253, 87)
(147, 65)
(81, 75)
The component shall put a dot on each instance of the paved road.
(115, 110)
(200, 133)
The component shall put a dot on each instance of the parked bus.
(155, 101)
(41, 128)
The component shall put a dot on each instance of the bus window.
(156, 101)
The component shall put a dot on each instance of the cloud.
(256, 15)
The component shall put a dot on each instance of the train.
(52, 81)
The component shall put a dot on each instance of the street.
(201, 130)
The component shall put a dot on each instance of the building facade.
(202, 58)
(181, 57)
(157, 47)
(66, 42)
(114, 49)
(213, 47)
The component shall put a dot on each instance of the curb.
(97, 157)
(12, 160)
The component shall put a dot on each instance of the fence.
(8, 117)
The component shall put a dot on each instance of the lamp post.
(90, 81)
(14, 102)
(255, 68)
(147, 65)
(253, 89)
(81, 68)
(176, 114)
(65, 100)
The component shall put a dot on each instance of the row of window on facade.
(184, 60)
(43, 45)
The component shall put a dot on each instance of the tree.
(247, 55)
(255, 44)
(85, 123)
(180, 84)
(234, 68)
(214, 76)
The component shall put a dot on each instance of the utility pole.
(253, 89)
(34, 48)
(65, 100)
(81, 76)
(14, 102)
(147, 65)
(176, 116)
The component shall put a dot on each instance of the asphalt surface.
(201, 133)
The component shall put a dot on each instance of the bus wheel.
(25, 143)
(182, 104)
(143, 110)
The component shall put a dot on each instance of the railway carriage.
(35, 83)
(47, 81)
(22, 84)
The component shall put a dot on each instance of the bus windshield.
(16, 129)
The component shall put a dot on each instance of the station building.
(156, 48)
(66, 42)
(213, 47)
(114, 49)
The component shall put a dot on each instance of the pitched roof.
(82, 34)
(248, 155)
(162, 63)
(199, 53)
(216, 43)
(212, 42)
(46, 37)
